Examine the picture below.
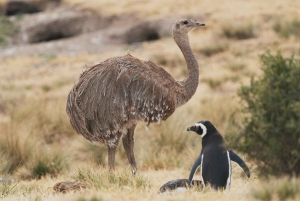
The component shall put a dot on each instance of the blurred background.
(46, 44)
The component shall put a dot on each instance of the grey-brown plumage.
(109, 99)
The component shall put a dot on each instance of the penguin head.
(202, 128)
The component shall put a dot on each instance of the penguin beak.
(192, 128)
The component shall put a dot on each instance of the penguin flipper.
(234, 157)
(195, 167)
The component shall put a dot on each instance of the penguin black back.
(214, 158)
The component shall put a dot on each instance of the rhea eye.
(185, 22)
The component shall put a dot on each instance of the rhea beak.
(195, 25)
(200, 24)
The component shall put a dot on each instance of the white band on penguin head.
(204, 129)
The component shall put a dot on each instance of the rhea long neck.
(190, 83)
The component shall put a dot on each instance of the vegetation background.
(38, 147)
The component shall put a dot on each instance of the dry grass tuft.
(287, 28)
(240, 32)
(99, 179)
(213, 49)
(281, 189)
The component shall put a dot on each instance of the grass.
(14, 152)
(91, 199)
(240, 32)
(51, 163)
(100, 180)
(96, 154)
(236, 67)
(213, 83)
(283, 189)
(287, 28)
(7, 29)
(213, 49)
(6, 189)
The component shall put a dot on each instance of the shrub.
(270, 131)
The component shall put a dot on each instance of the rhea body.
(109, 98)
(214, 159)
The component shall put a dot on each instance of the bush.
(270, 131)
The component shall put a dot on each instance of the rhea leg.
(111, 155)
(128, 144)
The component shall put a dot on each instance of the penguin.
(214, 159)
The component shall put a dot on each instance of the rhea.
(109, 98)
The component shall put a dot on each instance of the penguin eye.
(185, 22)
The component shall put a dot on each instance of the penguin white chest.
(229, 174)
